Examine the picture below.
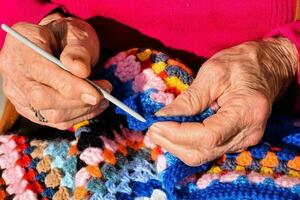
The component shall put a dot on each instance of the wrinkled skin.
(244, 81)
(63, 98)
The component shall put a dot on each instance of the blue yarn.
(40, 177)
(97, 196)
(141, 189)
(173, 70)
(57, 162)
(29, 150)
(174, 174)
(82, 129)
(259, 151)
(33, 163)
(67, 181)
(123, 196)
(171, 159)
(96, 186)
(48, 192)
(57, 149)
(230, 191)
(232, 155)
(160, 57)
(293, 139)
(69, 166)
(296, 189)
(286, 154)
(124, 188)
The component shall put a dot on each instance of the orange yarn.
(270, 160)
(135, 145)
(109, 156)
(244, 159)
(94, 171)
(155, 152)
(80, 193)
(73, 150)
(122, 149)
(3, 194)
(295, 163)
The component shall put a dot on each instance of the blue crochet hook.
(53, 59)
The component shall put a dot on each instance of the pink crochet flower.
(148, 80)
(162, 97)
(82, 177)
(9, 160)
(114, 60)
(7, 147)
(92, 156)
(17, 188)
(13, 175)
(109, 144)
(128, 68)
(27, 195)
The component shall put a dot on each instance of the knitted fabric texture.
(110, 157)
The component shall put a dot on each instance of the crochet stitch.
(110, 157)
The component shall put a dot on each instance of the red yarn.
(30, 175)
(35, 187)
(21, 143)
(24, 161)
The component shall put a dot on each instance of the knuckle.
(190, 97)
(37, 97)
(210, 140)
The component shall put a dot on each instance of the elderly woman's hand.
(244, 81)
(31, 81)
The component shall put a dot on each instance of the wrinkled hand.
(63, 98)
(244, 80)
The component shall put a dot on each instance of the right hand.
(29, 80)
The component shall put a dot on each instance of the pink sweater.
(199, 26)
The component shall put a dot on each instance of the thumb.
(204, 90)
(189, 102)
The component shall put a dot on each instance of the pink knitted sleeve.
(12, 11)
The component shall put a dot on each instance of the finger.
(13, 93)
(29, 114)
(64, 115)
(43, 97)
(80, 47)
(68, 124)
(190, 156)
(209, 84)
(214, 130)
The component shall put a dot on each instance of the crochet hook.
(53, 59)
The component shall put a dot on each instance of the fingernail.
(89, 99)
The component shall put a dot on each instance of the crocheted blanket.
(110, 157)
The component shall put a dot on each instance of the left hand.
(244, 81)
